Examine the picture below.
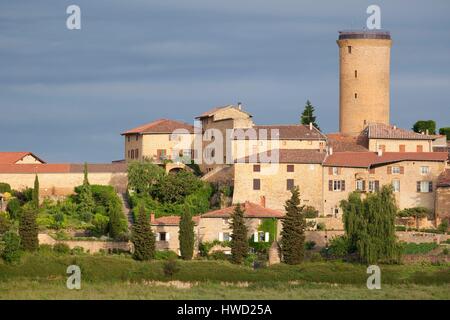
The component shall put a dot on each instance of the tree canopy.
(424, 125)
(308, 115)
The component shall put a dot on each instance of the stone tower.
(364, 64)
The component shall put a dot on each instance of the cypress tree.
(115, 220)
(293, 233)
(35, 195)
(308, 115)
(85, 173)
(86, 199)
(28, 230)
(239, 241)
(142, 237)
(186, 236)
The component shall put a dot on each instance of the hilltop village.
(261, 164)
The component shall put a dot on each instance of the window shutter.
(402, 170)
(389, 170)
(167, 236)
(157, 236)
(430, 188)
(364, 185)
(330, 185)
(377, 185)
(255, 236)
(343, 185)
(418, 186)
(330, 170)
(220, 236)
(266, 237)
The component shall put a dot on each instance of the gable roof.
(444, 179)
(285, 132)
(212, 111)
(287, 156)
(384, 131)
(251, 210)
(171, 220)
(368, 159)
(14, 157)
(343, 143)
(160, 126)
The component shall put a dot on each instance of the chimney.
(262, 201)
(152, 217)
(239, 105)
(427, 132)
(310, 126)
(395, 127)
(330, 151)
(380, 152)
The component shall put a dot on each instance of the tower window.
(356, 73)
(356, 96)
(350, 49)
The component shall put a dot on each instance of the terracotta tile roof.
(383, 131)
(251, 210)
(161, 126)
(62, 168)
(285, 132)
(287, 156)
(171, 220)
(342, 143)
(212, 111)
(13, 157)
(367, 159)
(444, 179)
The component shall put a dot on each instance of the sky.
(66, 95)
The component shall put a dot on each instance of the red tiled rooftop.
(344, 143)
(367, 159)
(287, 156)
(384, 131)
(161, 126)
(171, 220)
(212, 111)
(13, 157)
(285, 132)
(251, 210)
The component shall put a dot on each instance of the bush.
(13, 208)
(61, 248)
(418, 248)
(445, 251)
(11, 252)
(5, 187)
(5, 224)
(165, 255)
(45, 248)
(339, 246)
(309, 245)
(99, 225)
(77, 250)
(400, 228)
(218, 255)
(311, 212)
(170, 267)
(443, 227)
(321, 226)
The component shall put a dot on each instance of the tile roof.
(62, 168)
(285, 132)
(287, 156)
(444, 179)
(383, 131)
(212, 111)
(367, 159)
(13, 157)
(161, 126)
(342, 143)
(171, 220)
(251, 210)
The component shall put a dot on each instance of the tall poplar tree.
(186, 235)
(293, 233)
(308, 115)
(143, 237)
(239, 241)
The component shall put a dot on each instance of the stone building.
(443, 197)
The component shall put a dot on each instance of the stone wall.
(442, 204)
(88, 246)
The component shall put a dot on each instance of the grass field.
(41, 276)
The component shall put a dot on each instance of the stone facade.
(397, 145)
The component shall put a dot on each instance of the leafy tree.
(293, 233)
(445, 131)
(11, 252)
(186, 235)
(174, 188)
(144, 177)
(13, 208)
(116, 221)
(100, 225)
(5, 187)
(370, 226)
(143, 238)
(5, 224)
(424, 125)
(308, 115)
(239, 241)
(35, 198)
(28, 229)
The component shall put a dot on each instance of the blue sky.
(67, 95)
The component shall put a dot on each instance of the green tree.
(14, 208)
(5, 224)
(85, 173)
(116, 220)
(424, 125)
(35, 198)
(445, 131)
(239, 241)
(28, 229)
(186, 235)
(370, 226)
(293, 233)
(86, 203)
(100, 224)
(308, 115)
(144, 177)
(11, 252)
(143, 238)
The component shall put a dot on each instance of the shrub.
(77, 250)
(45, 248)
(321, 226)
(443, 227)
(5, 224)
(61, 248)
(418, 248)
(99, 225)
(309, 245)
(165, 255)
(13, 208)
(11, 252)
(218, 255)
(311, 212)
(445, 251)
(400, 228)
(170, 267)
(5, 187)
(339, 246)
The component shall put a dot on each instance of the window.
(401, 148)
(163, 236)
(336, 185)
(360, 185)
(256, 168)
(356, 73)
(161, 154)
(129, 154)
(356, 95)
(336, 211)
(424, 186)
(349, 49)
(335, 171)
(226, 236)
(256, 184)
(424, 170)
(419, 148)
(290, 184)
(396, 185)
(290, 168)
(374, 185)
(136, 153)
(132, 154)
(137, 137)
(395, 170)
(261, 236)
